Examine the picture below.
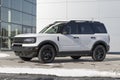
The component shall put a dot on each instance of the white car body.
(64, 39)
(67, 42)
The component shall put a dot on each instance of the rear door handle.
(93, 37)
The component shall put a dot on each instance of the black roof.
(87, 21)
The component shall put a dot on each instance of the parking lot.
(110, 64)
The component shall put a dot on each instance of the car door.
(86, 35)
(69, 40)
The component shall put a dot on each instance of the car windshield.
(52, 28)
(44, 29)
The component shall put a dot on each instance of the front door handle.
(76, 37)
(93, 37)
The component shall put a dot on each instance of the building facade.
(16, 17)
(106, 11)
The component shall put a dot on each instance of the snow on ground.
(60, 72)
(3, 55)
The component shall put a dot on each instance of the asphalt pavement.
(111, 63)
(48, 77)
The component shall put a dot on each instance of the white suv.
(64, 38)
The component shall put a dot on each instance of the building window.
(16, 17)
(4, 43)
(17, 4)
(6, 3)
(15, 30)
(27, 29)
(4, 14)
(27, 19)
(33, 21)
(4, 29)
(27, 7)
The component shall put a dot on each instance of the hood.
(28, 35)
(34, 35)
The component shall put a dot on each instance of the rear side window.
(85, 28)
(99, 28)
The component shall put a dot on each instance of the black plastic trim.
(51, 43)
(29, 52)
(107, 47)
(74, 53)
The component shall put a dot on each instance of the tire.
(46, 54)
(75, 57)
(25, 58)
(99, 53)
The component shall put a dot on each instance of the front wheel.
(46, 54)
(99, 53)
(25, 58)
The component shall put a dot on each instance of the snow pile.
(3, 55)
(61, 72)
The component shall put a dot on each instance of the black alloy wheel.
(99, 53)
(46, 54)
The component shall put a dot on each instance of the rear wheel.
(75, 57)
(25, 58)
(99, 53)
(46, 54)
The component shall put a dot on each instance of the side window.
(84, 28)
(53, 29)
(99, 28)
(71, 28)
(67, 29)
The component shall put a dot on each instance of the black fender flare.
(51, 43)
(100, 43)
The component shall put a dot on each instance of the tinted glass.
(84, 28)
(4, 14)
(4, 29)
(33, 10)
(16, 29)
(4, 43)
(27, 7)
(99, 28)
(16, 17)
(27, 29)
(33, 1)
(16, 4)
(73, 27)
(33, 21)
(53, 29)
(6, 3)
(27, 19)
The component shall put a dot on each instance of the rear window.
(99, 28)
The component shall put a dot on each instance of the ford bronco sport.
(64, 38)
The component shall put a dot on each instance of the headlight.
(29, 40)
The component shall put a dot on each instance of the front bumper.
(29, 52)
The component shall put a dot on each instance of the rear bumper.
(25, 51)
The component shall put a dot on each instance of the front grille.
(18, 40)
(17, 45)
